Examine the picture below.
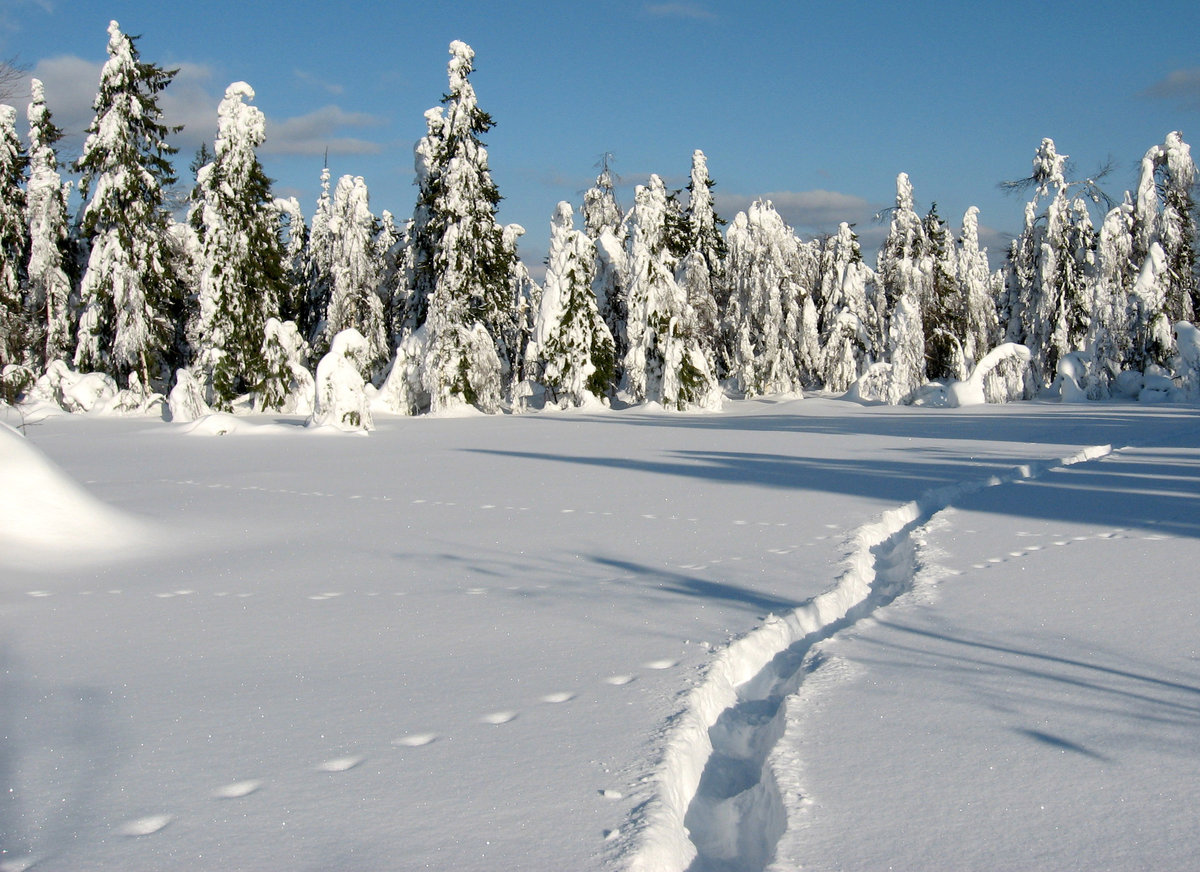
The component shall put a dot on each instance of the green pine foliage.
(14, 244)
(130, 287)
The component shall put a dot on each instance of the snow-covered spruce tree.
(600, 209)
(573, 344)
(665, 362)
(48, 289)
(977, 285)
(1109, 336)
(341, 397)
(850, 332)
(462, 266)
(943, 315)
(129, 286)
(355, 301)
(295, 254)
(1164, 214)
(765, 319)
(906, 352)
(603, 222)
(1047, 278)
(1179, 229)
(318, 272)
(898, 264)
(422, 241)
(390, 248)
(1074, 282)
(14, 244)
(526, 296)
(701, 269)
(287, 386)
(242, 280)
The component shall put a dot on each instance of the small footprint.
(499, 717)
(238, 789)
(661, 664)
(341, 764)
(562, 696)
(612, 794)
(618, 680)
(416, 740)
(17, 864)
(146, 826)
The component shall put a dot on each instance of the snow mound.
(46, 518)
(225, 424)
(971, 392)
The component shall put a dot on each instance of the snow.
(48, 519)
(528, 642)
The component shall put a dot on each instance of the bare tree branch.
(14, 82)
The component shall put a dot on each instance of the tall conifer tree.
(129, 286)
(49, 283)
(14, 322)
(242, 281)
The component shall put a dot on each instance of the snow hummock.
(46, 518)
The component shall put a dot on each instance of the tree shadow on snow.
(1139, 703)
(1158, 493)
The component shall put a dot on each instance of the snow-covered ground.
(498, 642)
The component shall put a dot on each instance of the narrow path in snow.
(716, 807)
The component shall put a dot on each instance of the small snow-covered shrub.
(288, 386)
(873, 386)
(186, 401)
(135, 399)
(1187, 342)
(403, 391)
(998, 378)
(1070, 382)
(15, 382)
(75, 391)
(341, 397)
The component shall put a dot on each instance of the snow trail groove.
(716, 807)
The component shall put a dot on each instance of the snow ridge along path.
(716, 805)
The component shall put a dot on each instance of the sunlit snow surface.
(468, 643)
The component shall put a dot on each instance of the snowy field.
(495, 643)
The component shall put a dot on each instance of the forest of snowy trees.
(245, 305)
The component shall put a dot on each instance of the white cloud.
(1182, 86)
(691, 11)
(70, 84)
(813, 211)
(189, 101)
(317, 131)
(310, 79)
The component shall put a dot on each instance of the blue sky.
(815, 105)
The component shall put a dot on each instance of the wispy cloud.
(1181, 86)
(309, 79)
(319, 131)
(692, 11)
(812, 211)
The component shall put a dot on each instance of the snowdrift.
(48, 519)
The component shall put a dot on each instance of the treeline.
(237, 305)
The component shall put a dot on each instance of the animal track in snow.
(341, 764)
(561, 696)
(611, 794)
(416, 740)
(619, 680)
(237, 789)
(145, 826)
(501, 717)
(661, 664)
